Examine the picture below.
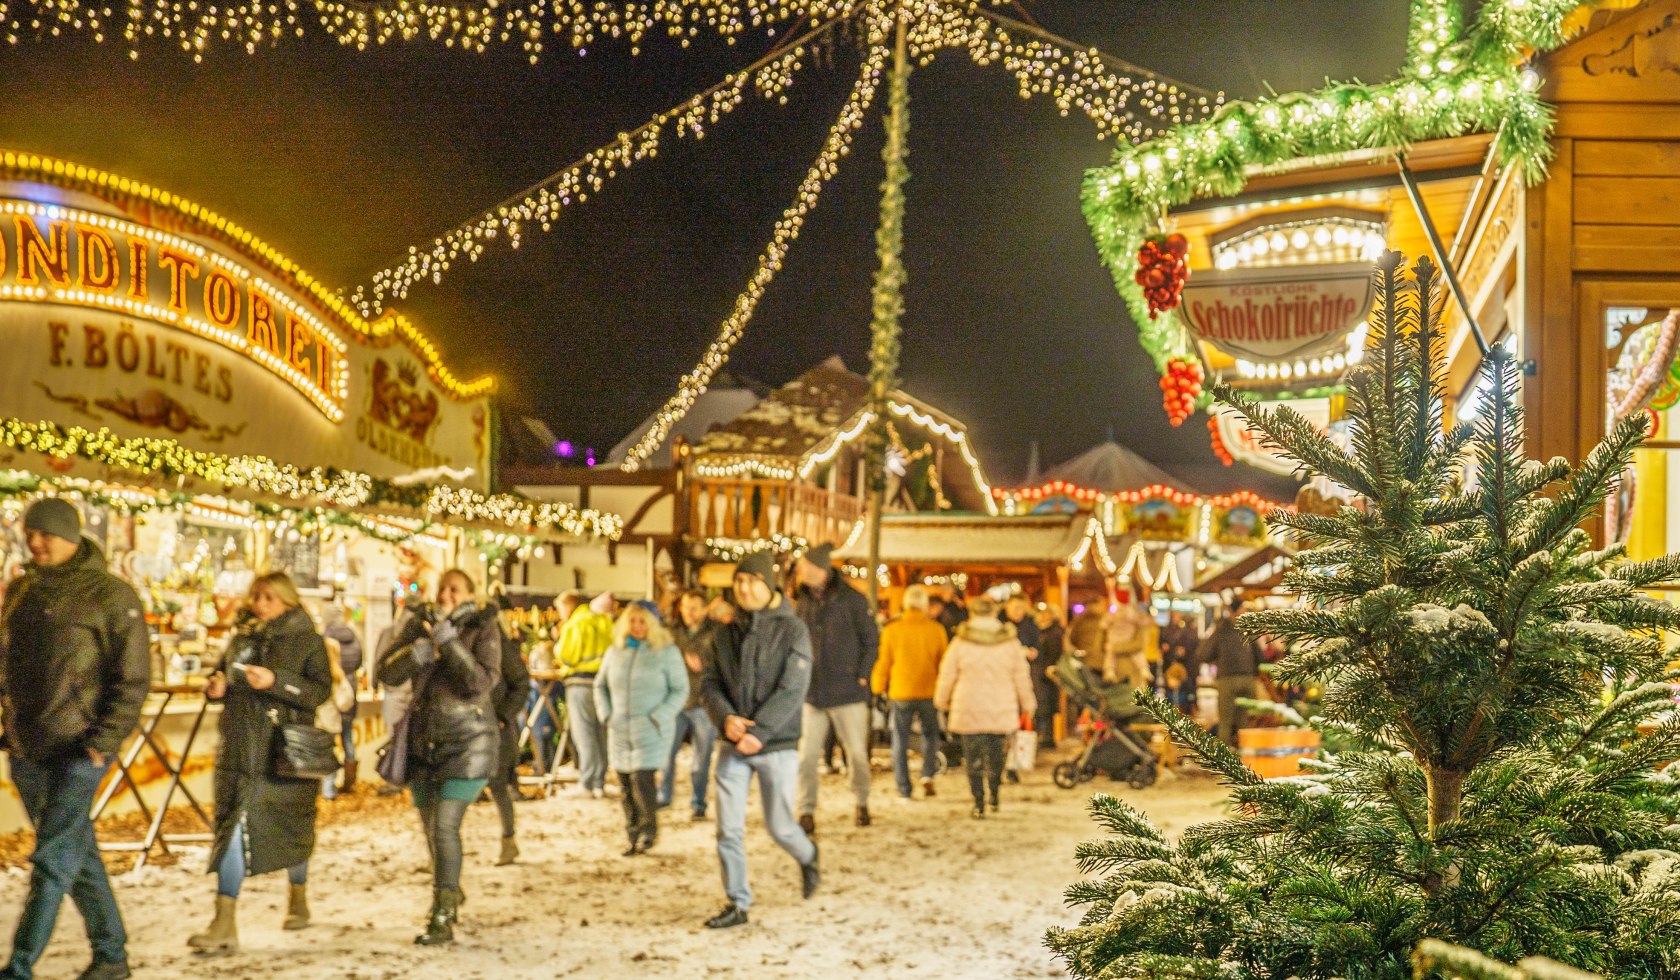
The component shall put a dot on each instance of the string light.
(837, 144)
(541, 205)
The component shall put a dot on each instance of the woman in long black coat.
(276, 673)
(452, 652)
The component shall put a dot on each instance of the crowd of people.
(756, 681)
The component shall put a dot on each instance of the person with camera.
(638, 695)
(445, 748)
(74, 671)
(276, 673)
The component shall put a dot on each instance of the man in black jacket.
(75, 667)
(845, 641)
(753, 687)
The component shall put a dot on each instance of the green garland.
(887, 299)
(1455, 83)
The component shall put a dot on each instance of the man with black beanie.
(753, 687)
(75, 667)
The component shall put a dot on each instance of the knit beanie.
(55, 516)
(760, 563)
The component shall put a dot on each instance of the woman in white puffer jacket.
(985, 686)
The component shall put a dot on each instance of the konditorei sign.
(120, 313)
(1279, 312)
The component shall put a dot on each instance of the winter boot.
(222, 937)
(440, 924)
(297, 907)
(510, 852)
(350, 775)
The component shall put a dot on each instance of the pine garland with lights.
(1521, 810)
(343, 490)
(1455, 82)
(887, 296)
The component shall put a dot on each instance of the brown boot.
(297, 907)
(927, 786)
(863, 816)
(222, 937)
(510, 852)
(350, 775)
(808, 823)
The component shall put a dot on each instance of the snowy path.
(925, 892)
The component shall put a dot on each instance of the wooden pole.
(888, 299)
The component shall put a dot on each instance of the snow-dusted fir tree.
(1496, 670)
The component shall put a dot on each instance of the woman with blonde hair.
(444, 748)
(639, 691)
(276, 672)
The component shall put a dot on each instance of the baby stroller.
(1110, 749)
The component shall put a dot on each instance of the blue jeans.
(231, 874)
(589, 736)
(902, 714)
(777, 773)
(58, 795)
(544, 737)
(705, 736)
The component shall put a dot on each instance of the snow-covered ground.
(925, 892)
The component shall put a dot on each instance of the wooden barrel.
(1272, 752)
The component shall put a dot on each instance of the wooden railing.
(760, 508)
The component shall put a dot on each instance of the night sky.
(343, 159)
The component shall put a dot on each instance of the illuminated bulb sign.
(125, 308)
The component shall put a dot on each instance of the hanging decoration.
(1456, 81)
(1163, 266)
(1180, 387)
(1219, 449)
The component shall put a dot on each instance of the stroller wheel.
(1065, 775)
(940, 764)
(1141, 776)
(1086, 774)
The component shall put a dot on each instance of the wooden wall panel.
(1627, 158)
(1625, 200)
(1627, 248)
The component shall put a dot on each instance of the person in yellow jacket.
(584, 640)
(907, 672)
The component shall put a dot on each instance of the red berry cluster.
(1219, 443)
(1180, 387)
(1162, 268)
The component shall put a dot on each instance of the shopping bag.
(1023, 751)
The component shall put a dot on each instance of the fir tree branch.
(1213, 754)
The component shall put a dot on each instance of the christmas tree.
(1503, 692)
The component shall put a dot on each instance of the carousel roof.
(1110, 468)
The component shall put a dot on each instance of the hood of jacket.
(986, 631)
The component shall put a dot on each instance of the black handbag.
(303, 752)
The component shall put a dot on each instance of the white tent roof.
(1110, 468)
(714, 408)
(973, 539)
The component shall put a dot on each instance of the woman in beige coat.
(985, 687)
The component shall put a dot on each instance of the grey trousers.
(851, 728)
(1231, 716)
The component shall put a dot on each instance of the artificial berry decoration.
(1219, 443)
(1180, 387)
(1163, 266)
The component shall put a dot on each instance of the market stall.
(214, 411)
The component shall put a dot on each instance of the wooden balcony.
(761, 508)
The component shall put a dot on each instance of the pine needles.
(1464, 631)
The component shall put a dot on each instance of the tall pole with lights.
(887, 305)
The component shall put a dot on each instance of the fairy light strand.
(836, 146)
